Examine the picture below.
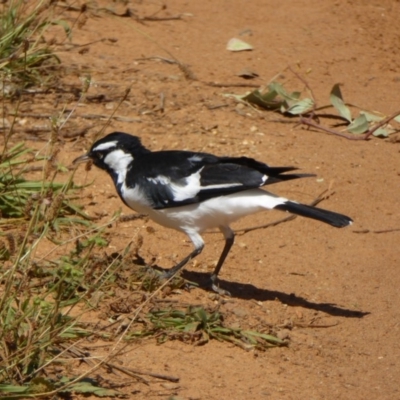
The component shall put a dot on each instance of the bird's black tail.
(329, 217)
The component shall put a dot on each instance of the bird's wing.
(176, 178)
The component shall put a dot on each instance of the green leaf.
(278, 88)
(13, 389)
(88, 387)
(301, 107)
(371, 117)
(359, 125)
(265, 100)
(397, 119)
(191, 327)
(337, 101)
(381, 132)
(238, 45)
(268, 338)
(221, 329)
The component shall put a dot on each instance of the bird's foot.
(177, 282)
(214, 287)
(212, 283)
(164, 276)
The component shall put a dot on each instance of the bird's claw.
(217, 289)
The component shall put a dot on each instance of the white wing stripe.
(221, 186)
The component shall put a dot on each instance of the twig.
(162, 102)
(85, 116)
(231, 84)
(381, 123)
(164, 59)
(323, 196)
(377, 231)
(277, 222)
(299, 77)
(130, 371)
(133, 373)
(131, 217)
(309, 122)
(171, 18)
(127, 371)
(187, 72)
(311, 325)
(116, 117)
(387, 230)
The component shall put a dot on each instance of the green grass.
(26, 58)
(196, 325)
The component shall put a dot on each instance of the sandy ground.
(298, 273)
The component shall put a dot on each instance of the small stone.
(283, 334)
(240, 312)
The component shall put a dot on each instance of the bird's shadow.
(247, 291)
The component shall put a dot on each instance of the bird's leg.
(229, 240)
(172, 271)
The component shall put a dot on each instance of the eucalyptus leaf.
(337, 101)
(263, 100)
(301, 107)
(381, 132)
(371, 117)
(270, 96)
(278, 88)
(359, 125)
(238, 45)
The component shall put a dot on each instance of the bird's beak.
(82, 159)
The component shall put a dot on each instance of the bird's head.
(114, 152)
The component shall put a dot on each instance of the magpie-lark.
(192, 192)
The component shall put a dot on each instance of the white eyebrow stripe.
(106, 146)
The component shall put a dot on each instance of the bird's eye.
(99, 156)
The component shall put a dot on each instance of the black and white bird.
(192, 192)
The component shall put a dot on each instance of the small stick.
(162, 102)
(365, 136)
(130, 371)
(387, 230)
(378, 231)
(85, 116)
(214, 84)
(311, 325)
(298, 76)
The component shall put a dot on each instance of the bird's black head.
(114, 151)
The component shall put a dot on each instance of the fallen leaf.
(247, 74)
(238, 45)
